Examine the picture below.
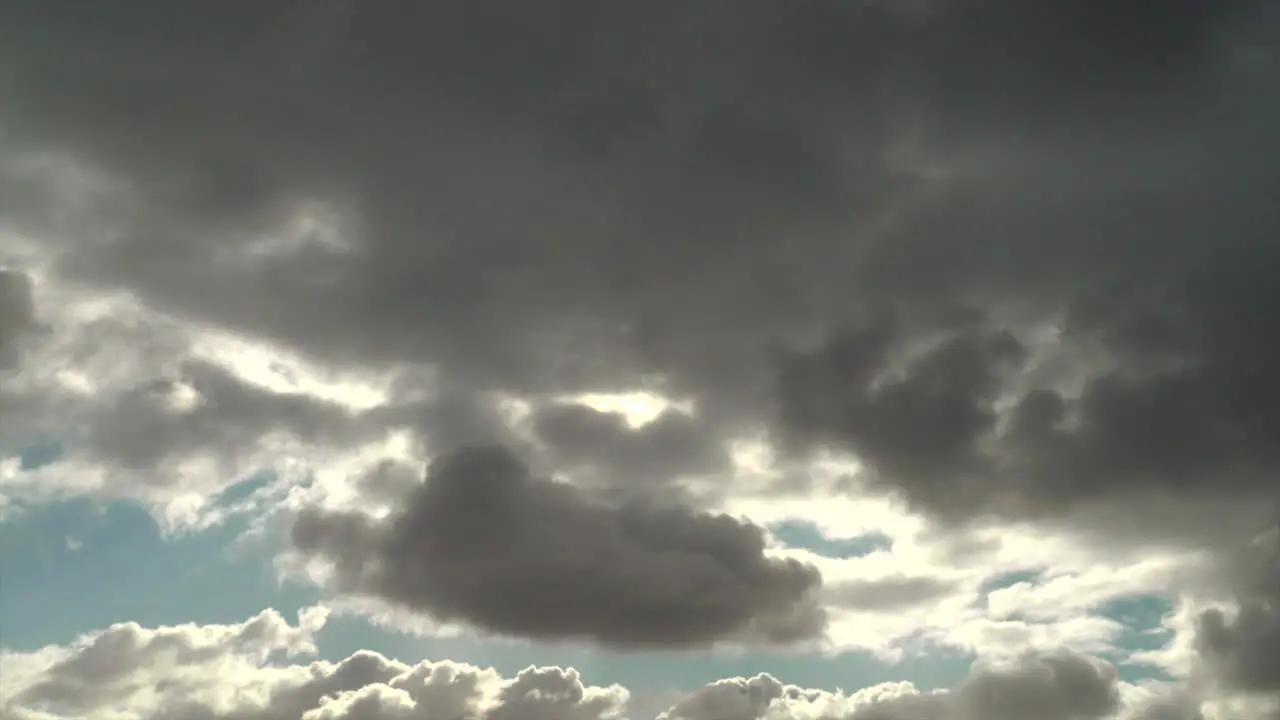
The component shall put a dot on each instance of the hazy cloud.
(889, 594)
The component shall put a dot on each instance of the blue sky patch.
(806, 535)
(1142, 617)
(40, 454)
(78, 565)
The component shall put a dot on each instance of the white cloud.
(252, 671)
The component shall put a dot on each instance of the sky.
(698, 360)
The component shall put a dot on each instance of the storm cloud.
(1021, 256)
(481, 541)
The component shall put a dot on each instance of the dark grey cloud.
(1243, 646)
(923, 430)
(1241, 649)
(671, 446)
(17, 315)
(205, 408)
(485, 543)
(24, 409)
(823, 220)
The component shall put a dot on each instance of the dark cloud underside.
(481, 541)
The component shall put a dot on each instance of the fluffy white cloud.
(251, 671)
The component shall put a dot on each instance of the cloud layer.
(1014, 264)
(1016, 260)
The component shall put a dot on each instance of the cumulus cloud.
(226, 672)
(1240, 644)
(126, 662)
(483, 541)
(237, 672)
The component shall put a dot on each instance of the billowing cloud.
(121, 661)
(226, 672)
(1240, 644)
(484, 542)
(253, 671)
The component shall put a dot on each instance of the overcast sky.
(696, 360)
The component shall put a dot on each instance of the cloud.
(484, 542)
(205, 408)
(1013, 262)
(1239, 644)
(889, 594)
(126, 662)
(670, 447)
(226, 672)
(902, 236)
(17, 314)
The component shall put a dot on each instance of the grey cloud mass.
(763, 207)
(202, 407)
(17, 314)
(672, 446)
(1242, 647)
(482, 541)
(1019, 258)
